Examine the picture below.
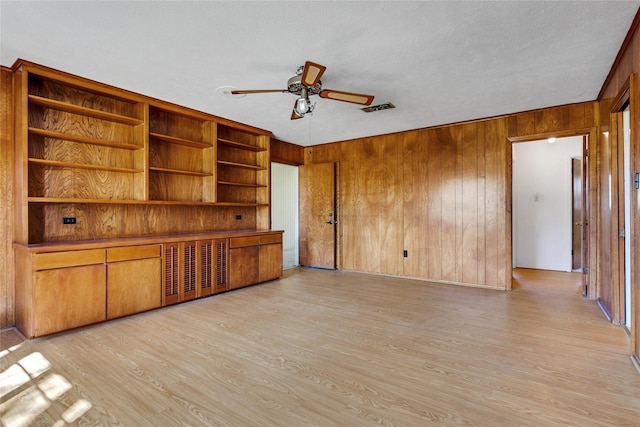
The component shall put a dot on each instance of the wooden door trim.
(592, 193)
(618, 311)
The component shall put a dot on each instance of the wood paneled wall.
(6, 199)
(624, 73)
(286, 153)
(443, 194)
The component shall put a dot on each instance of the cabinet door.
(171, 274)
(243, 266)
(222, 265)
(66, 298)
(270, 262)
(133, 286)
(189, 263)
(206, 268)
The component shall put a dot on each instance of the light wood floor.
(322, 348)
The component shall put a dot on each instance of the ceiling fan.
(307, 82)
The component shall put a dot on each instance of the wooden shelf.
(179, 171)
(81, 201)
(89, 112)
(239, 204)
(55, 163)
(61, 200)
(241, 184)
(180, 141)
(241, 165)
(240, 145)
(83, 139)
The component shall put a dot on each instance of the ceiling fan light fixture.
(302, 106)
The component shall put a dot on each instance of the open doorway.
(284, 210)
(542, 215)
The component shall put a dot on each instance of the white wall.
(284, 210)
(542, 203)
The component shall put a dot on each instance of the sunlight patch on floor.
(29, 387)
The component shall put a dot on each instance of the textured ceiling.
(437, 62)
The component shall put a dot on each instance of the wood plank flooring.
(325, 348)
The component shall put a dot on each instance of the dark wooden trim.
(625, 44)
(623, 97)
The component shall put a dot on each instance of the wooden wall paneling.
(7, 281)
(505, 243)
(469, 209)
(136, 220)
(353, 210)
(449, 137)
(415, 204)
(435, 213)
(390, 225)
(325, 153)
(286, 153)
(371, 211)
(492, 207)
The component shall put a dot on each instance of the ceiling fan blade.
(312, 73)
(356, 98)
(244, 92)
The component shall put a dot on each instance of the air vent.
(379, 107)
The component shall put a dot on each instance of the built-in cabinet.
(133, 276)
(255, 259)
(62, 289)
(125, 203)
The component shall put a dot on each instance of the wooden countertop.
(133, 241)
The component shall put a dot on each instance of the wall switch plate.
(69, 220)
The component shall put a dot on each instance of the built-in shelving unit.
(82, 144)
(181, 156)
(243, 163)
(126, 203)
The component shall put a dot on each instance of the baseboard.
(636, 362)
(604, 309)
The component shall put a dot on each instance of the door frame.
(590, 211)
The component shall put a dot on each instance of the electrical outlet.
(69, 220)
(238, 217)
(405, 253)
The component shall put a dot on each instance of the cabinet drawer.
(239, 242)
(48, 261)
(128, 253)
(271, 238)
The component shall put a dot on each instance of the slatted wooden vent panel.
(171, 274)
(222, 274)
(206, 268)
(189, 271)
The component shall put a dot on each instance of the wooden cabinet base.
(64, 286)
(133, 287)
(66, 298)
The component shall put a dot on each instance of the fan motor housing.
(295, 86)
